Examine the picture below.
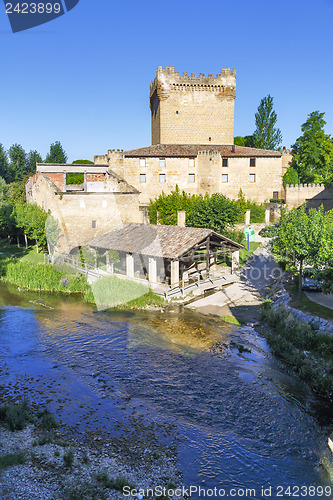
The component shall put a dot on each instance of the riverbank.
(38, 461)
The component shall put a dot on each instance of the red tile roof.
(191, 151)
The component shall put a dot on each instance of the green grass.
(308, 352)
(11, 459)
(244, 254)
(307, 305)
(16, 416)
(13, 250)
(41, 277)
(226, 318)
(114, 292)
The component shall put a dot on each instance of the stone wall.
(297, 195)
(83, 216)
(209, 175)
(192, 109)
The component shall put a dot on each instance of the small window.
(191, 162)
(275, 195)
(176, 112)
(162, 162)
(252, 178)
(142, 177)
(191, 177)
(142, 162)
(162, 177)
(224, 177)
(252, 162)
(224, 162)
(209, 138)
(94, 224)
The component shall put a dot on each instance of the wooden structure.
(165, 252)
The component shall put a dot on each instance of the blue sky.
(84, 78)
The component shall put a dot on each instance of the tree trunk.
(26, 241)
(36, 246)
(300, 275)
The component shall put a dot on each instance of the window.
(209, 138)
(142, 177)
(275, 195)
(142, 162)
(252, 178)
(176, 112)
(224, 177)
(162, 162)
(191, 162)
(191, 177)
(162, 177)
(94, 224)
(252, 162)
(224, 162)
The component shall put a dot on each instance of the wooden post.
(207, 256)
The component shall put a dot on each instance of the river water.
(243, 421)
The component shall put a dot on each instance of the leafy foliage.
(33, 158)
(82, 162)
(3, 162)
(52, 231)
(246, 141)
(313, 151)
(303, 238)
(266, 135)
(76, 178)
(18, 163)
(216, 211)
(56, 154)
(290, 177)
(31, 219)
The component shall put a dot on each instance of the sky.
(83, 78)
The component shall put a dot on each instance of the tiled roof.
(170, 242)
(191, 151)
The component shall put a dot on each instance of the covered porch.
(168, 255)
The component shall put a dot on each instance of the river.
(243, 421)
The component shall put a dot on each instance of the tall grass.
(41, 277)
(309, 353)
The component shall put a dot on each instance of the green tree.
(83, 162)
(31, 219)
(56, 154)
(52, 231)
(298, 239)
(266, 135)
(7, 220)
(3, 162)
(313, 151)
(290, 177)
(3, 190)
(33, 158)
(246, 141)
(18, 163)
(16, 192)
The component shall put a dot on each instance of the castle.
(192, 125)
(192, 122)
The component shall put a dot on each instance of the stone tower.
(192, 109)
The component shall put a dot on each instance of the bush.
(16, 416)
(48, 422)
(68, 458)
(11, 459)
(41, 277)
(76, 178)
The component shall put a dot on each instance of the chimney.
(181, 218)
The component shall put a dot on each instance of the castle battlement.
(305, 187)
(169, 80)
(192, 109)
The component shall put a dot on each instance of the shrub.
(16, 416)
(68, 458)
(11, 459)
(48, 422)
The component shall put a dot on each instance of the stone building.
(87, 210)
(193, 147)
